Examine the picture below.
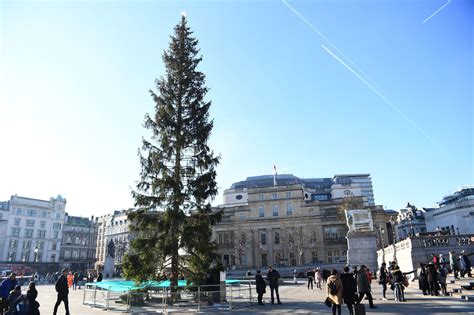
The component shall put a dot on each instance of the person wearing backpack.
(335, 289)
(63, 291)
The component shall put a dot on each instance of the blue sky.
(75, 78)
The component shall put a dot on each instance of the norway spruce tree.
(173, 224)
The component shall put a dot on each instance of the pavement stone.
(296, 299)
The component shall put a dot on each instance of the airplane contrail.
(370, 86)
(437, 11)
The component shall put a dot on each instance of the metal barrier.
(184, 299)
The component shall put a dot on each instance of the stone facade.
(112, 227)
(455, 213)
(33, 230)
(79, 242)
(286, 221)
(412, 251)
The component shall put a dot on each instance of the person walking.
(423, 280)
(31, 295)
(432, 276)
(435, 260)
(318, 278)
(14, 295)
(260, 286)
(454, 263)
(295, 274)
(310, 276)
(363, 286)
(334, 291)
(99, 277)
(349, 289)
(442, 275)
(465, 265)
(383, 279)
(273, 276)
(63, 291)
(7, 286)
(75, 280)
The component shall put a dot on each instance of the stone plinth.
(109, 267)
(362, 249)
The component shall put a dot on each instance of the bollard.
(230, 300)
(84, 297)
(95, 294)
(108, 298)
(250, 293)
(199, 298)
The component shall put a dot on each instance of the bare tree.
(299, 239)
(240, 242)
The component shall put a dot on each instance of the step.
(467, 297)
(457, 291)
(467, 287)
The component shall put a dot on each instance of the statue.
(111, 249)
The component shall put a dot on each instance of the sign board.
(359, 220)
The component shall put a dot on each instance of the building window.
(275, 210)
(288, 194)
(334, 233)
(13, 244)
(292, 259)
(39, 244)
(264, 259)
(53, 257)
(25, 256)
(261, 212)
(263, 238)
(277, 238)
(56, 234)
(274, 196)
(56, 226)
(314, 256)
(260, 197)
(30, 223)
(17, 221)
(11, 256)
(41, 233)
(58, 216)
(289, 209)
(26, 244)
(53, 247)
(1, 215)
(16, 232)
(31, 212)
(44, 214)
(43, 224)
(29, 233)
(242, 217)
(18, 211)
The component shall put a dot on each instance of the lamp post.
(392, 223)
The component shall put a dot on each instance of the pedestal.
(109, 267)
(362, 250)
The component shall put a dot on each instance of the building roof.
(286, 180)
(460, 194)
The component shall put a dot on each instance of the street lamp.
(392, 223)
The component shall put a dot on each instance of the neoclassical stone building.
(284, 220)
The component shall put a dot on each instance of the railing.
(184, 299)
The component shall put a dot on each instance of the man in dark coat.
(7, 286)
(423, 280)
(261, 285)
(363, 286)
(63, 291)
(432, 276)
(349, 289)
(272, 276)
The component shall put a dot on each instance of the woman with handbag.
(334, 292)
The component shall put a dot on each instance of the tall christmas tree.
(173, 224)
